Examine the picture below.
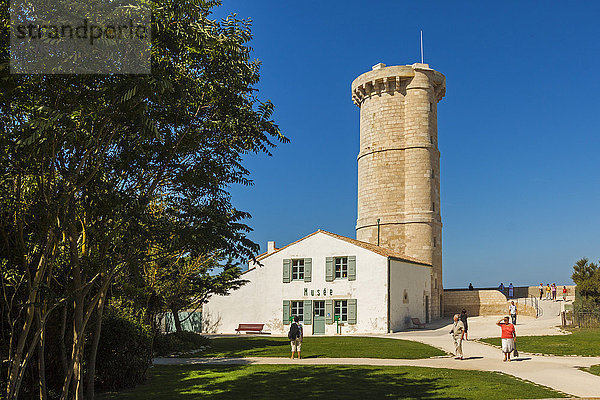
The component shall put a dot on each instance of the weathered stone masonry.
(399, 164)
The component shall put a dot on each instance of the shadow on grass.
(331, 382)
(223, 382)
(243, 346)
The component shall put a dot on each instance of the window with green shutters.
(297, 270)
(340, 268)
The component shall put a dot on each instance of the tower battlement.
(392, 79)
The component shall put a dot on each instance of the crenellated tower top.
(382, 79)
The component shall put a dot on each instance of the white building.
(326, 280)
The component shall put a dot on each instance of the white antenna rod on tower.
(422, 47)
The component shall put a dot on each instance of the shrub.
(165, 344)
(124, 351)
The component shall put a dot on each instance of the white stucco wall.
(415, 281)
(261, 300)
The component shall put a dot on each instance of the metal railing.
(582, 319)
(532, 302)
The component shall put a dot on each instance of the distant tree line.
(114, 201)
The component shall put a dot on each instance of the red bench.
(257, 328)
(416, 322)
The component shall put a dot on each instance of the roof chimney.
(270, 247)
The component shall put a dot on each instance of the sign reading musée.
(326, 280)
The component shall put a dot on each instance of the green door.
(319, 317)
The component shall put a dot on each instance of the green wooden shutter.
(351, 268)
(287, 270)
(352, 312)
(307, 311)
(329, 311)
(286, 312)
(307, 269)
(329, 269)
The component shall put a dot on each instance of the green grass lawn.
(219, 382)
(582, 342)
(594, 369)
(313, 347)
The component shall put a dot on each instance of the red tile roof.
(371, 247)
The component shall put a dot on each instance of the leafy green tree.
(185, 283)
(586, 276)
(85, 156)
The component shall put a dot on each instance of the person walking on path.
(548, 289)
(463, 318)
(458, 332)
(508, 337)
(541, 291)
(501, 288)
(554, 291)
(564, 293)
(512, 309)
(511, 291)
(296, 335)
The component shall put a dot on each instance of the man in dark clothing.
(296, 335)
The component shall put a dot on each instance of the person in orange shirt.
(508, 337)
(564, 293)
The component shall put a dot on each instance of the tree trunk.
(63, 347)
(91, 373)
(41, 357)
(18, 357)
(75, 370)
(176, 319)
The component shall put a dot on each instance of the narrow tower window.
(430, 106)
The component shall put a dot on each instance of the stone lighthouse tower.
(399, 164)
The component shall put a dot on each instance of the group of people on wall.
(550, 291)
(509, 292)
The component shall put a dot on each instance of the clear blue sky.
(518, 128)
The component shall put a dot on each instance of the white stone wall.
(261, 300)
(415, 282)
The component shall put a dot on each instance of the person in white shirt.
(512, 309)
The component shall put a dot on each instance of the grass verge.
(314, 347)
(581, 342)
(594, 369)
(220, 382)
